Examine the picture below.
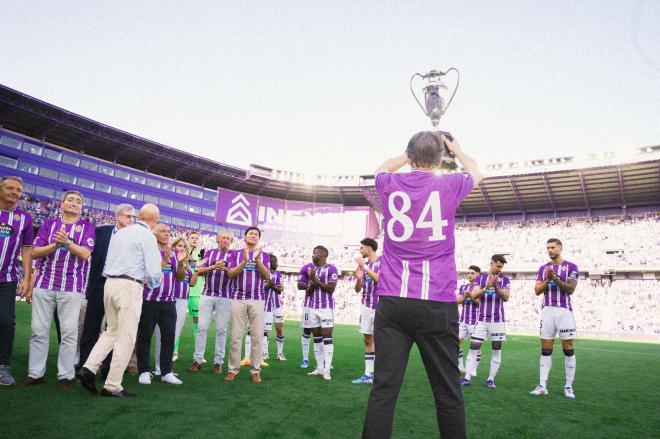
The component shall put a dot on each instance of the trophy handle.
(458, 80)
(415, 96)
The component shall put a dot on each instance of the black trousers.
(92, 325)
(7, 320)
(162, 314)
(433, 327)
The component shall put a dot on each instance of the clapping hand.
(359, 274)
(182, 256)
(549, 273)
(61, 237)
(360, 262)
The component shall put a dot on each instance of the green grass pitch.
(616, 386)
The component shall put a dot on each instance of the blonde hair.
(180, 238)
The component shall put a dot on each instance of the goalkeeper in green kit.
(195, 292)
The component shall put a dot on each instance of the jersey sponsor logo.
(490, 291)
(167, 268)
(498, 334)
(6, 230)
(251, 266)
(552, 283)
(566, 331)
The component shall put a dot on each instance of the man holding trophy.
(418, 272)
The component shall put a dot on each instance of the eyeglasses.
(130, 216)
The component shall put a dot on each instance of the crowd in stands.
(600, 306)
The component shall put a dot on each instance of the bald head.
(149, 214)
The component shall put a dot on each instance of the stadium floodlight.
(436, 103)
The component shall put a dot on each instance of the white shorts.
(278, 315)
(557, 320)
(492, 331)
(319, 318)
(367, 320)
(268, 321)
(305, 317)
(464, 330)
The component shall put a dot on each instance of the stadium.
(605, 207)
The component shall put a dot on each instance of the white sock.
(569, 365)
(264, 347)
(318, 352)
(248, 346)
(328, 351)
(305, 347)
(461, 366)
(471, 363)
(280, 345)
(369, 360)
(495, 360)
(546, 364)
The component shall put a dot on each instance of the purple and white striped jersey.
(61, 270)
(164, 292)
(248, 285)
(553, 295)
(182, 287)
(469, 311)
(217, 282)
(272, 298)
(320, 299)
(418, 249)
(491, 309)
(369, 285)
(15, 233)
(303, 278)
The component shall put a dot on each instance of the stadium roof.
(615, 186)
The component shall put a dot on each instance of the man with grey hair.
(133, 261)
(16, 236)
(124, 217)
(65, 243)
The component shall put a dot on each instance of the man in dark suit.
(124, 217)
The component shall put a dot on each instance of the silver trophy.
(436, 102)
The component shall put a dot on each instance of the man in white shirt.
(133, 260)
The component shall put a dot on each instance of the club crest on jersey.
(78, 228)
(564, 268)
(17, 217)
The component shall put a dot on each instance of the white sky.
(322, 87)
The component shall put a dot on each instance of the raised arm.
(393, 164)
(468, 163)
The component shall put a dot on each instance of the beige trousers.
(123, 305)
(242, 312)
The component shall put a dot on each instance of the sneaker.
(465, 382)
(171, 379)
(568, 393)
(5, 376)
(490, 384)
(264, 364)
(364, 379)
(175, 356)
(157, 372)
(145, 378)
(304, 364)
(281, 357)
(317, 371)
(246, 362)
(326, 376)
(203, 360)
(539, 390)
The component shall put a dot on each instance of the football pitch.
(617, 387)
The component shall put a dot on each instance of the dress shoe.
(196, 367)
(217, 369)
(255, 378)
(65, 384)
(123, 394)
(231, 376)
(88, 380)
(29, 381)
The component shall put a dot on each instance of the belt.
(123, 276)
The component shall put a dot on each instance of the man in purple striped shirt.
(417, 285)
(248, 270)
(275, 286)
(492, 289)
(159, 308)
(65, 243)
(16, 236)
(557, 281)
(366, 282)
(215, 298)
(303, 284)
(321, 316)
(467, 322)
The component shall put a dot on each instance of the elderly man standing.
(16, 238)
(124, 217)
(133, 260)
(66, 244)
